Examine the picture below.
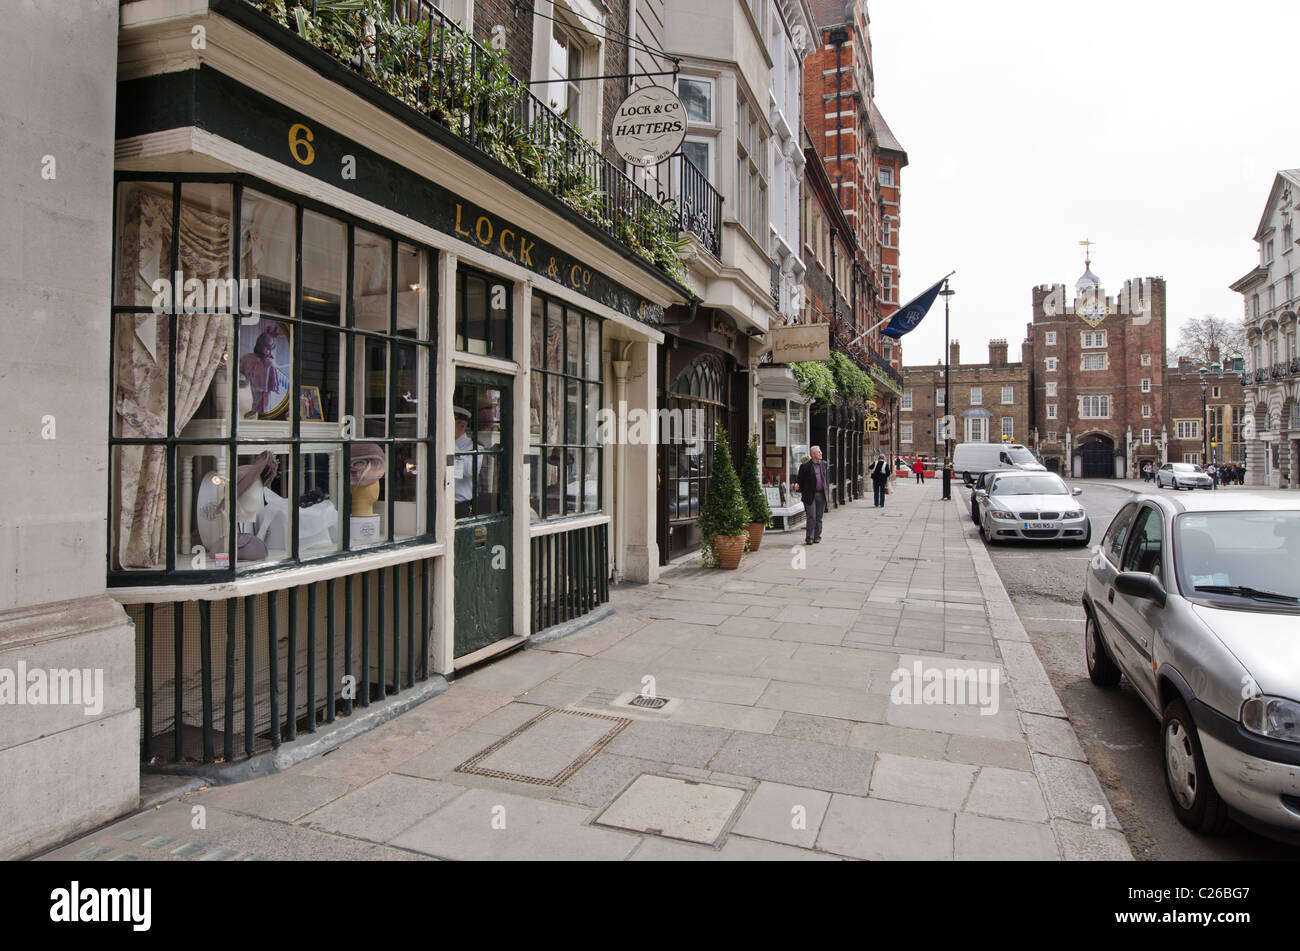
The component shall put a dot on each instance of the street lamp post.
(947, 293)
(1205, 422)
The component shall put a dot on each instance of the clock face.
(1092, 311)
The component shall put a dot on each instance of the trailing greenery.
(752, 485)
(815, 380)
(852, 383)
(470, 90)
(724, 511)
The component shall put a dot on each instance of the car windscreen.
(1021, 457)
(1242, 556)
(1029, 485)
(1186, 467)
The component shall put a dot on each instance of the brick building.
(1099, 376)
(989, 400)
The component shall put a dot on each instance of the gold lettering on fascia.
(485, 230)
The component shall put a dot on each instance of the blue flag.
(912, 313)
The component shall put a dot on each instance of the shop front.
(704, 381)
(358, 376)
(784, 443)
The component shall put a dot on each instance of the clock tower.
(1098, 375)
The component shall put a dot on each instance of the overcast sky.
(1153, 127)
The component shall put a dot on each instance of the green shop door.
(484, 559)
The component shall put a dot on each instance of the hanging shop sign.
(871, 423)
(219, 105)
(801, 342)
(649, 126)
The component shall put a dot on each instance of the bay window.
(271, 367)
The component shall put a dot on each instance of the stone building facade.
(1199, 430)
(1270, 300)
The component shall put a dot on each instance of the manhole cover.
(650, 703)
(675, 808)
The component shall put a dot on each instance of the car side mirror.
(1139, 584)
(1077, 491)
(981, 494)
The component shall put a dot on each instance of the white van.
(971, 459)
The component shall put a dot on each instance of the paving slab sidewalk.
(874, 696)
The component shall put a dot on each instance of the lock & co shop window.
(272, 365)
(567, 393)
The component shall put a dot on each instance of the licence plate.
(1038, 525)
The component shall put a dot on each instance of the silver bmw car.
(1035, 506)
(1196, 600)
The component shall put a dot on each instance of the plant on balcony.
(852, 384)
(815, 380)
(760, 513)
(724, 517)
(444, 74)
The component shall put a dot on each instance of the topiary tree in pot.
(724, 518)
(760, 513)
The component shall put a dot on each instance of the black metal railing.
(1277, 371)
(569, 574)
(414, 52)
(1295, 365)
(1261, 375)
(879, 360)
(224, 680)
(679, 185)
(776, 285)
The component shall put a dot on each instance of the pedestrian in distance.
(919, 468)
(879, 480)
(811, 482)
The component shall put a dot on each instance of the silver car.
(1183, 475)
(1196, 599)
(1038, 506)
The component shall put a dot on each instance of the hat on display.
(369, 464)
(262, 469)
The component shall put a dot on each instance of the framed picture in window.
(265, 364)
(312, 409)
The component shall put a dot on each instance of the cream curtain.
(203, 342)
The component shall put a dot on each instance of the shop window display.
(237, 413)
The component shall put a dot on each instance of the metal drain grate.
(471, 764)
(650, 703)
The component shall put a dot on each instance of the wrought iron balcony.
(411, 50)
(1295, 365)
(1277, 371)
(776, 284)
(1261, 375)
(679, 185)
(880, 361)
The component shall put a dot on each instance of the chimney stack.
(998, 353)
(954, 353)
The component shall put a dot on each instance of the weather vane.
(1087, 254)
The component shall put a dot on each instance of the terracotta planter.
(755, 535)
(729, 549)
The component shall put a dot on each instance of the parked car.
(981, 483)
(1196, 600)
(1183, 475)
(970, 459)
(1031, 506)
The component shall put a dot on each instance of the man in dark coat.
(811, 483)
(879, 479)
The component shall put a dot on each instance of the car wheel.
(1191, 791)
(1101, 669)
(967, 479)
(975, 512)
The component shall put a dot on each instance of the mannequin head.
(363, 500)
